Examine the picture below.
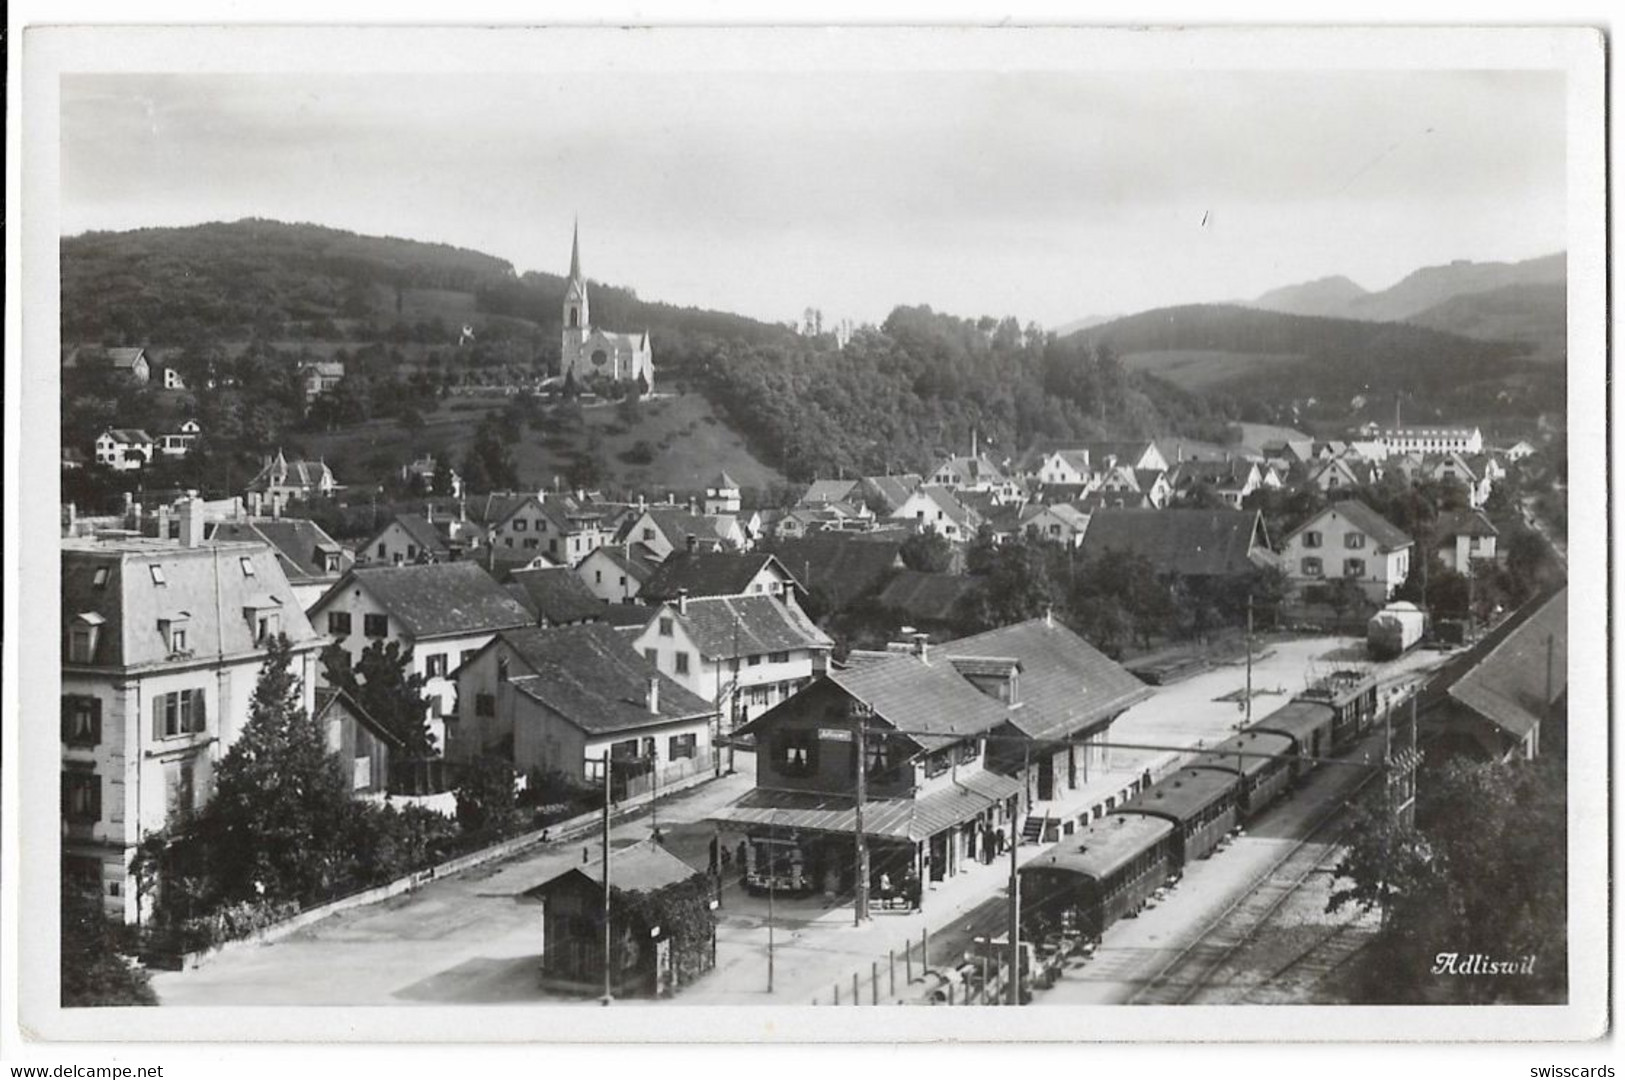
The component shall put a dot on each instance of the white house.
(1349, 541)
(935, 509)
(179, 443)
(1455, 468)
(1433, 440)
(163, 642)
(743, 653)
(1520, 450)
(1463, 537)
(281, 481)
(442, 612)
(698, 574)
(1062, 523)
(616, 572)
(124, 449)
(1065, 467)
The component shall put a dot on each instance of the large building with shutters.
(162, 645)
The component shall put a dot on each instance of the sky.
(1050, 196)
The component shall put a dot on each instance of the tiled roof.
(436, 599)
(828, 491)
(206, 585)
(931, 703)
(1126, 453)
(1190, 543)
(707, 573)
(636, 560)
(950, 505)
(1386, 535)
(297, 473)
(421, 531)
(493, 509)
(926, 597)
(749, 626)
(1503, 677)
(901, 819)
(124, 357)
(893, 490)
(301, 544)
(972, 470)
(129, 435)
(327, 699)
(1066, 684)
(556, 595)
(841, 567)
(677, 525)
(591, 676)
(1453, 523)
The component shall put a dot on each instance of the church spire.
(575, 251)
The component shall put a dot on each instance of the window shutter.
(95, 810)
(158, 716)
(200, 714)
(67, 717)
(96, 721)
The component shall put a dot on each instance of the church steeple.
(575, 251)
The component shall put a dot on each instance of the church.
(588, 351)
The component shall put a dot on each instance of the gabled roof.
(557, 595)
(1383, 533)
(1068, 515)
(1453, 523)
(1503, 678)
(645, 867)
(729, 626)
(893, 490)
(947, 502)
(296, 473)
(129, 435)
(328, 699)
(972, 470)
(420, 531)
(593, 678)
(1189, 543)
(828, 491)
(494, 508)
(931, 703)
(841, 566)
(677, 526)
(1078, 460)
(635, 560)
(709, 573)
(1066, 684)
(918, 596)
(436, 599)
(124, 357)
(300, 544)
(204, 586)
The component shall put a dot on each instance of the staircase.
(1032, 830)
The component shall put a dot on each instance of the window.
(435, 665)
(882, 758)
(466, 655)
(81, 720)
(532, 542)
(82, 645)
(1354, 568)
(648, 534)
(180, 712)
(338, 623)
(375, 625)
(502, 669)
(682, 746)
(665, 626)
(795, 752)
(1354, 541)
(520, 524)
(681, 666)
(177, 640)
(778, 658)
(266, 627)
(1311, 539)
(597, 577)
(157, 574)
(485, 704)
(383, 551)
(81, 797)
(754, 661)
(100, 579)
(330, 563)
(1311, 567)
(248, 566)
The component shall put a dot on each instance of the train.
(1114, 866)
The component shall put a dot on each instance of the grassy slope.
(691, 444)
(1203, 369)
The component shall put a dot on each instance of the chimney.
(691, 504)
(652, 698)
(163, 522)
(692, 543)
(682, 601)
(1049, 616)
(277, 498)
(73, 518)
(191, 514)
(921, 648)
(428, 512)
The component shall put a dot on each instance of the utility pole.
(609, 989)
(1013, 990)
(860, 892)
(1249, 706)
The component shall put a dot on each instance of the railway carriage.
(1308, 724)
(1201, 805)
(1261, 778)
(1098, 875)
(1351, 694)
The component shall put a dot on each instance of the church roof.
(575, 252)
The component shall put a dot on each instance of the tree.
(275, 826)
(928, 552)
(1014, 587)
(443, 484)
(383, 684)
(486, 800)
(94, 969)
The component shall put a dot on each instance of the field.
(690, 444)
(1204, 369)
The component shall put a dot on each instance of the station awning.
(912, 819)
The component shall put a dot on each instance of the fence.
(421, 776)
(654, 781)
(923, 972)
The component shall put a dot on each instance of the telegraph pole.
(1012, 992)
(609, 989)
(1249, 710)
(860, 892)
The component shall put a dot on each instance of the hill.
(1323, 296)
(1273, 358)
(1534, 315)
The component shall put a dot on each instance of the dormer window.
(82, 637)
(173, 629)
(100, 579)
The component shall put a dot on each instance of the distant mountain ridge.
(1417, 292)
(1324, 296)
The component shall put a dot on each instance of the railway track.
(1193, 969)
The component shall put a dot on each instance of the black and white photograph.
(596, 523)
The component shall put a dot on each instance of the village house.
(722, 495)
(554, 596)
(1144, 455)
(311, 560)
(744, 653)
(179, 443)
(699, 574)
(519, 526)
(1341, 473)
(1463, 537)
(124, 449)
(167, 375)
(1066, 467)
(281, 481)
(441, 612)
(931, 804)
(406, 539)
(889, 492)
(935, 509)
(320, 377)
(972, 472)
(1521, 449)
(560, 699)
(362, 744)
(163, 642)
(131, 363)
(926, 602)
(1501, 699)
(1231, 480)
(1190, 544)
(663, 530)
(616, 573)
(838, 569)
(1060, 523)
(1347, 541)
(422, 471)
(1453, 468)
(1063, 696)
(1433, 440)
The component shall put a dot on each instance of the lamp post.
(772, 888)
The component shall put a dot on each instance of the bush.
(486, 799)
(640, 453)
